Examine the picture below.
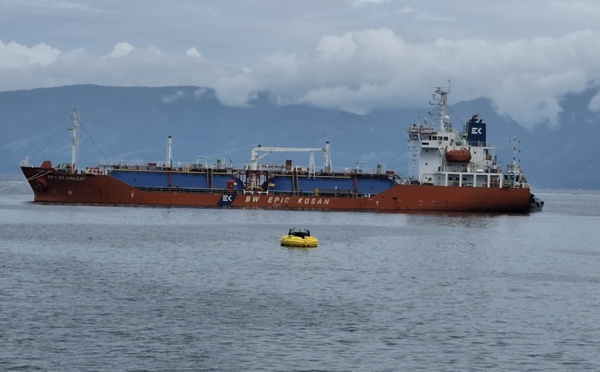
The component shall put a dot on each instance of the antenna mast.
(440, 97)
(515, 150)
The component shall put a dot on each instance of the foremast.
(75, 140)
(514, 174)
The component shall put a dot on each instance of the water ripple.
(139, 289)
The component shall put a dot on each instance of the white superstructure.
(442, 157)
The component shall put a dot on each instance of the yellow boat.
(299, 239)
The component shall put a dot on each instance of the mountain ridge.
(132, 123)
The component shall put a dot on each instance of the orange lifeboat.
(462, 155)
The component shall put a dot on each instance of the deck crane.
(268, 149)
(254, 177)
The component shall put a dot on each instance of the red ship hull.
(51, 186)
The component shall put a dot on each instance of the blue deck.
(361, 184)
(160, 179)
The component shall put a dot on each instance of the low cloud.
(525, 79)
(193, 52)
(121, 50)
(594, 104)
(361, 3)
(172, 98)
(15, 56)
(355, 71)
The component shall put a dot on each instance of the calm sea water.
(134, 289)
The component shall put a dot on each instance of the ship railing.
(95, 171)
(317, 192)
(335, 192)
(187, 190)
(515, 185)
(421, 129)
(348, 172)
(341, 172)
(406, 181)
(272, 167)
(256, 192)
(161, 166)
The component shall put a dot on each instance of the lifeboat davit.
(299, 239)
(462, 155)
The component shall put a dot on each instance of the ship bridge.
(444, 157)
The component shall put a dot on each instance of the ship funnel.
(476, 132)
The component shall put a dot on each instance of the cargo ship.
(452, 171)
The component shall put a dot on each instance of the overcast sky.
(356, 55)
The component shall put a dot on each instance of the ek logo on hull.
(226, 200)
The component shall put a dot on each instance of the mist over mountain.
(132, 124)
